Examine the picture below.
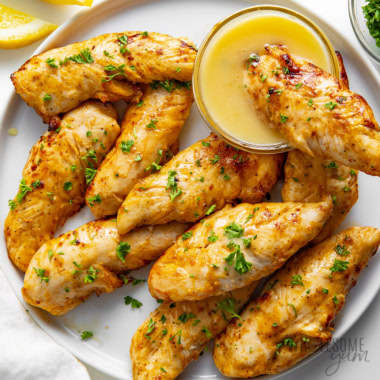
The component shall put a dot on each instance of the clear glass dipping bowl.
(360, 28)
(218, 129)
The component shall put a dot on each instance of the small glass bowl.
(360, 28)
(237, 143)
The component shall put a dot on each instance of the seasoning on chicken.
(149, 130)
(103, 67)
(314, 111)
(175, 334)
(294, 315)
(198, 181)
(235, 247)
(54, 178)
(67, 270)
(309, 179)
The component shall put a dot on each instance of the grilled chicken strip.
(60, 79)
(235, 247)
(309, 179)
(199, 180)
(67, 270)
(54, 178)
(294, 316)
(314, 111)
(172, 337)
(149, 129)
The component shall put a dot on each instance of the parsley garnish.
(241, 265)
(95, 199)
(297, 280)
(298, 85)
(228, 305)
(139, 104)
(126, 146)
(179, 333)
(212, 238)
(371, 13)
(46, 97)
(12, 204)
(184, 317)
(91, 275)
(119, 71)
(136, 304)
(152, 124)
(123, 44)
(234, 231)
(86, 335)
(332, 165)
(89, 174)
(331, 105)
(67, 186)
(339, 266)
(215, 159)
(51, 62)
(187, 235)
(211, 209)
(206, 144)
(41, 273)
(122, 249)
(341, 250)
(310, 102)
(283, 118)
(207, 332)
(83, 57)
(172, 184)
(23, 190)
(294, 308)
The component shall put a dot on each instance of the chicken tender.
(294, 315)
(235, 247)
(102, 67)
(309, 179)
(199, 180)
(67, 270)
(149, 129)
(172, 337)
(314, 111)
(54, 178)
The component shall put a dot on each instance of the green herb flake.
(331, 105)
(126, 146)
(86, 335)
(89, 174)
(210, 210)
(187, 235)
(339, 266)
(122, 250)
(283, 118)
(341, 250)
(136, 304)
(67, 186)
(297, 280)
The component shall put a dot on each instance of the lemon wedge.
(17, 29)
(86, 3)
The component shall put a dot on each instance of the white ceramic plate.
(112, 322)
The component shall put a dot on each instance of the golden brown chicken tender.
(60, 79)
(314, 111)
(65, 271)
(55, 176)
(172, 337)
(310, 179)
(235, 247)
(149, 129)
(198, 181)
(294, 315)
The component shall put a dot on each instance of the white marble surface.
(343, 364)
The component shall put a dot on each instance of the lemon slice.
(86, 3)
(17, 29)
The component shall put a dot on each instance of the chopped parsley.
(298, 85)
(310, 102)
(23, 190)
(339, 266)
(297, 280)
(90, 277)
(89, 174)
(212, 238)
(152, 124)
(206, 144)
(371, 13)
(83, 57)
(215, 159)
(241, 265)
(41, 273)
(184, 317)
(67, 186)
(341, 250)
(46, 97)
(325, 291)
(335, 300)
(119, 71)
(123, 40)
(95, 199)
(283, 118)
(346, 189)
(179, 333)
(106, 54)
(151, 327)
(126, 146)
(139, 104)
(247, 242)
(172, 184)
(211, 209)
(294, 308)
(86, 334)
(331, 105)
(122, 250)
(207, 332)
(285, 69)
(228, 305)
(12, 204)
(234, 231)
(187, 235)
(332, 165)
(136, 304)
(51, 62)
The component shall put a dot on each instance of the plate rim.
(11, 102)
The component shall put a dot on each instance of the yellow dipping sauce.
(223, 67)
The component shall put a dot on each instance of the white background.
(367, 329)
